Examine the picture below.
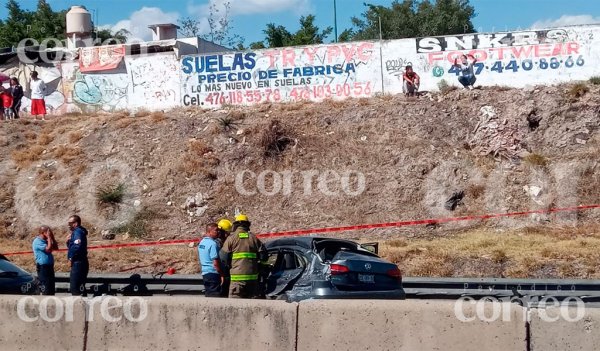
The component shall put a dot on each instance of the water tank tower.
(79, 27)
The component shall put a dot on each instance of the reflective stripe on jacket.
(245, 249)
(243, 277)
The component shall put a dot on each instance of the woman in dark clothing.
(17, 94)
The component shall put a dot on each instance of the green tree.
(345, 36)
(41, 24)
(108, 37)
(257, 45)
(414, 18)
(14, 29)
(309, 33)
(47, 24)
(278, 36)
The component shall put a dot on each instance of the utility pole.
(335, 21)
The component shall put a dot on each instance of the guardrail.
(416, 288)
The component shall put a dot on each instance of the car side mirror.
(371, 247)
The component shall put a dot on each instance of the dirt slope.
(505, 149)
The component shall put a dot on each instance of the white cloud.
(139, 21)
(566, 20)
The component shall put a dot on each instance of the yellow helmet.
(241, 218)
(225, 224)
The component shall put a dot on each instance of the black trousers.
(225, 287)
(45, 273)
(212, 285)
(16, 107)
(79, 272)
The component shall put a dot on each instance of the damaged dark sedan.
(14, 280)
(316, 267)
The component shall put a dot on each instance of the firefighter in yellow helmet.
(246, 252)
(224, 228)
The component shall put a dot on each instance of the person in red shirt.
(410, 82)
(7, 100)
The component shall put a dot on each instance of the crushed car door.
(288, 266)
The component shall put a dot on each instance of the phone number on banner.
(243, 97)
(356, 89)
(525, 65)
(303, 93)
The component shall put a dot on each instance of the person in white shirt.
(38, 91)
(467, 78)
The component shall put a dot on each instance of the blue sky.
(251, 16)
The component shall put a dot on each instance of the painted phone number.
(356, 89)
(274, 95)
(526, 65)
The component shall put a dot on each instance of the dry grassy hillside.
(166, 174)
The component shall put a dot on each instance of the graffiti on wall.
(333, 71)
(155, 81)
(396, 67)
(94, 91)
(98, 89)
(289, 74)
(515, 59)
(55, 98)
(507, 52)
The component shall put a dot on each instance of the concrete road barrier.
(192, 323)
(197, 323)
(409, 325)
(562, 329)
(41, 323)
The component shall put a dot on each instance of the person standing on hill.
(77, 255)
(6, 100)
(246, 252)
(17, 94)
(38, 92)
(43, 245)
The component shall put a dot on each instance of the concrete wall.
(514, 59)
(318, 72)
(561, 329)
(407, 326)
(362, 69)
(165, 323)
(335, 71)
(32, 332)
(197, 323)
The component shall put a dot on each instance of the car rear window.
(327, 249)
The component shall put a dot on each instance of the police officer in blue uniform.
(77, 256)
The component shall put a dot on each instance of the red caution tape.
(343, 229)
(117, 246)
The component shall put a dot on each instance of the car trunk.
(363, 272)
